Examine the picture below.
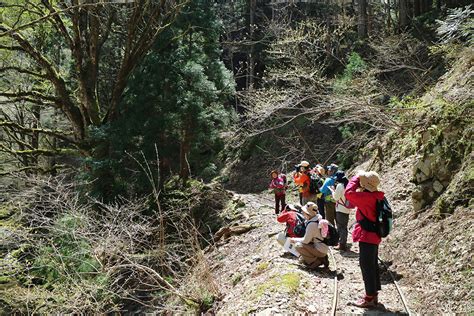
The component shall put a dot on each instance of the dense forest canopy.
(71, 69)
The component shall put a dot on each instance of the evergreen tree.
(174, 104)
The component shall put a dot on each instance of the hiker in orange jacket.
(301, 179)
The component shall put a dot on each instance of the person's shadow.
(321, 272)
(349, 253)
(386, 274)
(382, 310)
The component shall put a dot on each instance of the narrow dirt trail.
(255, 275)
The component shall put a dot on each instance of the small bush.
(355, 67)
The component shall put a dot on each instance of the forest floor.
(255, 275)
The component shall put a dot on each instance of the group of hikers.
(320, 219)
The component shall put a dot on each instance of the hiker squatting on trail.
(311, 248)
(308, 234)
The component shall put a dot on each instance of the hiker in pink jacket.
(362, 192)
(278, 185)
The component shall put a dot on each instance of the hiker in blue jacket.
(329, 203)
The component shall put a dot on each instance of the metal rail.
(336, 287)
(404, 301)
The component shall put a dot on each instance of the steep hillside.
(431, 183)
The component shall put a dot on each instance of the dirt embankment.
(281, 150)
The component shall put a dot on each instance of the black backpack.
(300, 228)
(383, 225)
(332, 238)
(315, 182)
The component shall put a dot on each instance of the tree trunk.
(428, 6)
(251, 57)
(35, 135)
(185, 148)
(328, 26)
(417, 7)
(388, 12)
(370, 19)
(403, 16)
(362, 19)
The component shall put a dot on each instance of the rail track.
(336, 286)
(335, 298)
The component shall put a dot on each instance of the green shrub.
(355, 67)
(67, 255)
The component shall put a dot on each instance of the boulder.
(417, 194)
(420, 177)
(438, 187)
(423, 170)
(418, 205)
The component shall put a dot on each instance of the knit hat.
(304, 163)
(332, 167)
(369, 180)
(311, 209)
(339, 176)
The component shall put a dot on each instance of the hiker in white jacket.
(343, 208)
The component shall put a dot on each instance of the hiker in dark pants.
(362, 192)
(343, 209)
(320, 171)
(278, 185)
(329, 203)
(302, 180)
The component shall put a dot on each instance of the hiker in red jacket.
(292, 218)
(295, 226)
(362, 192)
(278, 185)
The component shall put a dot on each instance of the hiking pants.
(368, 254)
(310, 255)
(320, 203)
(279, 202)
(308, 198)
(330, 210)
(342, 220)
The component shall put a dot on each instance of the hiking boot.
(314, 265)
(341, 247)
(326, 261)
(366, 302)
